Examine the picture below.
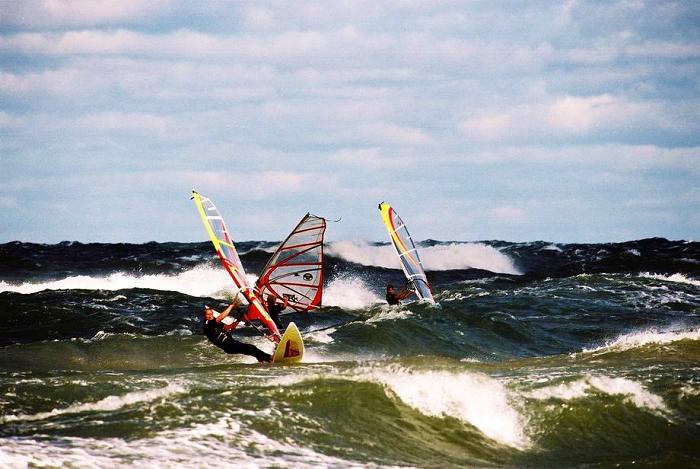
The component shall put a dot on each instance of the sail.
(223, 244)
(295, 270)
(407, 252)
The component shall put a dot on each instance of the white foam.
(551, 247)
(690, 391)
(107, 404)
(439, 257)
(322, 337)
(223, 442)
(349, 293)
(649, 336)
(471, 397)
(677, 278)
(198, 281)
(634, 391)
(389, 313)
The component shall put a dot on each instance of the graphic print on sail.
(407, 252)
(223, 244)
(295, 270)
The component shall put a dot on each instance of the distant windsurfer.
(219, 334)
(394, 298)
(274, 308)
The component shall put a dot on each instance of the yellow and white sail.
(407, 252)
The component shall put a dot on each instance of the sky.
(536, 120)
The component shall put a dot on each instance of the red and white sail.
(295, 270)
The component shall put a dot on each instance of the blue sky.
(564, 121)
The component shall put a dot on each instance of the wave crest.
(451, 256)
(650, 336)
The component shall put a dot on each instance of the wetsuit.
(392, 299)
(218, 336)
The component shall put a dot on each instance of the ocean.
(537, 355)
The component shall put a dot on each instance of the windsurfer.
(274, 308)
(393, 298)
(219, 334)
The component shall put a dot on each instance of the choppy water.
(538, 355)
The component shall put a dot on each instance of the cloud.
(62, 13)
(9, 121)
(258, 18)
(488, 127)
(293, 104)
(123, 122)
(581, 114)
(385, 132)
(508, 213)
(565, 116)
(8, 202)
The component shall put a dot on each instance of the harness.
(218, 339)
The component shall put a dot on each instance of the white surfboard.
(291, 346)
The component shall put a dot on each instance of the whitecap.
(439, 257)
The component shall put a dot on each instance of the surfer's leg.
(234, 346)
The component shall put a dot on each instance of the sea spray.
(349, 292)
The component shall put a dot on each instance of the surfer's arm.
(225, 312)
(403, 294)
(234, 324)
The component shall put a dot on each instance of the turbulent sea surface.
(538, 355)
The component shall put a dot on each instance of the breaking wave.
(453, 256)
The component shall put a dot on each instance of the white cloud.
(579, 114)
(61, 13)
(9, 121)
(257, 18)
(123, 122)
(562, 116)
(488, 127)
(508, 213)
(8, 202)
(384, 132)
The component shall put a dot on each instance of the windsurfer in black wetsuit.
(394, 298)
(274, 308)
(219, 334)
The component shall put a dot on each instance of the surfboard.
(291, 346)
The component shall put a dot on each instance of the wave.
(676, 278)
(224, 439)
(473, 398)
(646, 337)
(107, 404)
(199, 281)
(633, 391)
(347, 292)
(452, 256)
